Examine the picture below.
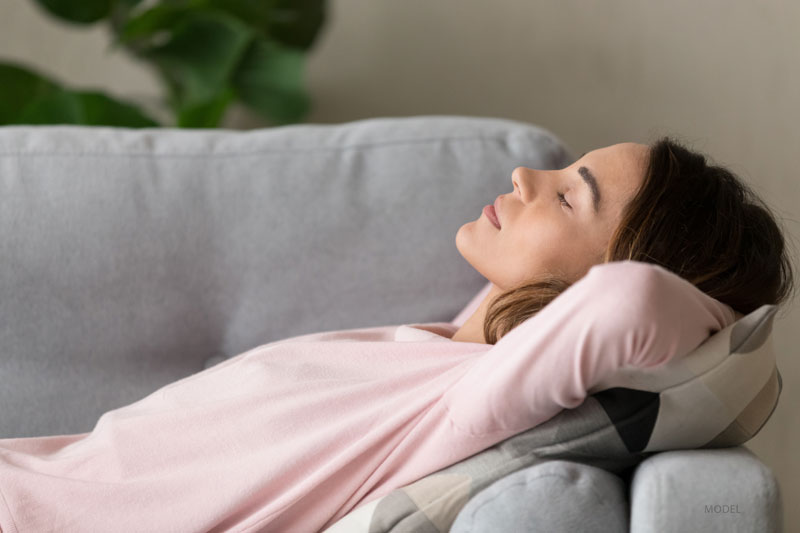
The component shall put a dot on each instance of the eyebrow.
(591, 181)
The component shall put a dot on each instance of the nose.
(518, 176)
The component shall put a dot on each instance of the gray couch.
(133, 258)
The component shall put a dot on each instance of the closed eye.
(564, 200)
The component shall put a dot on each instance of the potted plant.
(208, 53)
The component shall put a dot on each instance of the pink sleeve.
(620, 313)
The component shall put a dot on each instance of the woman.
(663, 205)
(292, 435)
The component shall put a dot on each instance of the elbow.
(635, 283)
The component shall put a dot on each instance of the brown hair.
(692, 218)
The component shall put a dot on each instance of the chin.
(458, 247)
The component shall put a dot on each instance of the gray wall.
(722, 74)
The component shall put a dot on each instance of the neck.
(472, 329)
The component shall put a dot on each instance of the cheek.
(551, 247)
(541, 235)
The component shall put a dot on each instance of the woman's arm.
(620, 313)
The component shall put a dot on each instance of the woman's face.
(540, 234)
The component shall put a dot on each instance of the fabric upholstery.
(551, 497)
(133, 258)
(700, 490)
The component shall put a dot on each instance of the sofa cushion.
(135, 257)
(551, 497)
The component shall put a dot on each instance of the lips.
(497, 209)
(491, 216)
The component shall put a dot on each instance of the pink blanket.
(292, 435)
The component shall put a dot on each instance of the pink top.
(292, 435)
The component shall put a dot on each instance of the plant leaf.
(57, 107)
(90, 108)
(18, 87)
(296, 23)
(270, 81)
(129, 3)
(198, 60)
(206, 114)
(78, 11)
(254, 13)
(145, 24)
(102, 110)
(293, 23)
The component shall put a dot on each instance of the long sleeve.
(620, 313)
(292, 435)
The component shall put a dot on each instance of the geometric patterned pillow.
(719, 395)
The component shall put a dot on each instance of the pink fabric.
(292, 435)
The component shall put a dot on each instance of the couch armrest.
(713, 490)
(556, 496)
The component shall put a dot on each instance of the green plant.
(208, 53)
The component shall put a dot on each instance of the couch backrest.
(133, 258)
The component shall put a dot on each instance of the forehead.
(619, 166)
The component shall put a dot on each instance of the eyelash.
(564, 200)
